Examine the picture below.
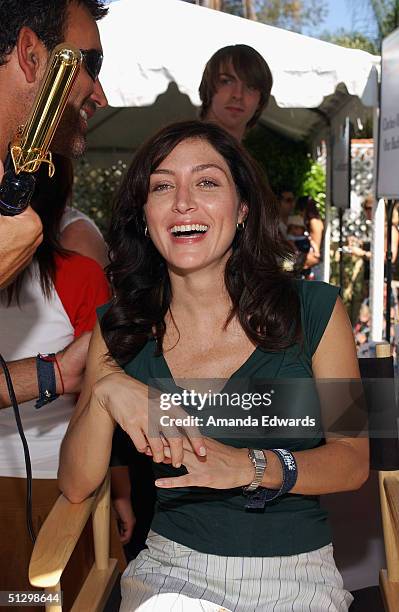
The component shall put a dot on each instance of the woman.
(307, 207)
(199, 294)
(49, 305)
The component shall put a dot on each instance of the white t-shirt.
(40, 325)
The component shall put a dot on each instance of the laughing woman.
(200, 294)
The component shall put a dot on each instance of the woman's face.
(193, 207)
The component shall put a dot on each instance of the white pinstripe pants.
(170, 577)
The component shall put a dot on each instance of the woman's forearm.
(85, 452)
(336, 466)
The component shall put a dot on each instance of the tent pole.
(389, 213)
(327, 228)
(340, 248)
(377, 251)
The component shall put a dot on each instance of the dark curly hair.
(47, 18)
(263, 296)
(249, 66)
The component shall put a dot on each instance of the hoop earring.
(240, 226)
(146, 231)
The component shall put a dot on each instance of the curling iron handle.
(16, 191)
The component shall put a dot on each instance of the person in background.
(299, 239)
(307, 207)
(286, 200)
(235, 89)
(49, 305)
(362, 250)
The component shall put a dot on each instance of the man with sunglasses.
(29, 32)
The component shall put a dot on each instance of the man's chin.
(72, 148)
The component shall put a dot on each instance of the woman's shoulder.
(317, 301)
(314, 294)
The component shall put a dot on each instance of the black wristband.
(258, 499)
(45, 379)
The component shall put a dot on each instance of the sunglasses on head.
(92, 60)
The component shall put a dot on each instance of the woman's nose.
(184, 201)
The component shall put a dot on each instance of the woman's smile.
(192, 193)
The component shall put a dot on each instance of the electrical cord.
(28, 465)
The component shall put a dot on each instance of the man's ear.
(32, 54)
(243, 212)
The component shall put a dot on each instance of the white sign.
(341, 165)
(388, 141)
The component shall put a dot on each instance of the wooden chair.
(57, 540)
(66, 521)
(365, 522)
(387, 463)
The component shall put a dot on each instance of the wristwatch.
(259, 462)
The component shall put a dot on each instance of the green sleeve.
(317, 304)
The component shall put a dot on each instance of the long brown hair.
(263, 296)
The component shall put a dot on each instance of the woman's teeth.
(182, 229)
(83, 114)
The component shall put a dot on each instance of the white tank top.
(37, 325)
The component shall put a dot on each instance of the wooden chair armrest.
(57, 539)
(391, 486)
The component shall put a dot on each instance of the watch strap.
(259, 462)
(261, 497)
(46, 379)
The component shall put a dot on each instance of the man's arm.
(19, 238)
(24, 376)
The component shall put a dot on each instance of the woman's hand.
(126, 400)
(126, 518)
(224, 467)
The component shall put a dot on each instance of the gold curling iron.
(30, 148)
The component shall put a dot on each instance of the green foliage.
(351, 40)
(314, 185)
(234, 7)
(292, 15)
(387, 16)
(286, 163)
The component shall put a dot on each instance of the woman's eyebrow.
(199, 168)
(162, 171)
(203, 167)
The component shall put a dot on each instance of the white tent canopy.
(155, 52)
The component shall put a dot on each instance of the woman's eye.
(161, 187)
(208, 183)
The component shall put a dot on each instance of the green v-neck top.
(216, 521)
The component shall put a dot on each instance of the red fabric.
(82, 286)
